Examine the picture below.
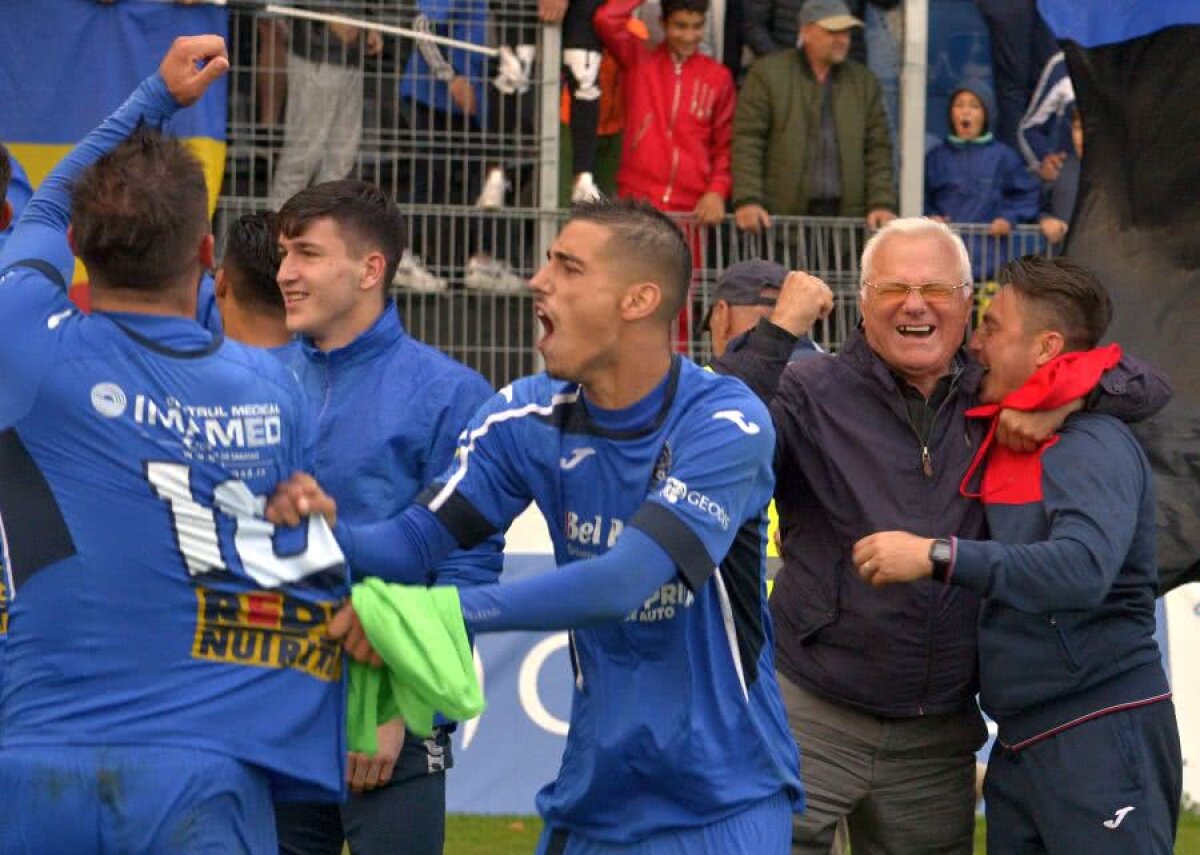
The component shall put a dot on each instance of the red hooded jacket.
(678, 118)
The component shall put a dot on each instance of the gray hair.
(917, 227)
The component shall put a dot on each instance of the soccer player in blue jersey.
(167, 668)
(654, 477)
(245, 294)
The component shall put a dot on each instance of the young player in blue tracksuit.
(654, 476)
(1087, 758)
(167, 666)
(389, 410)
(974, 178)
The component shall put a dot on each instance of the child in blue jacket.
(974, 178)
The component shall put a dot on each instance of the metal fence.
(462, 286)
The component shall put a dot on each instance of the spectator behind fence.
(1021, 43)
(880, 684)
(974, 178)
(679, 107)
(1059, 202)
(769, 26)
(323, 119)
(1044, 133)
(747, 293)
(810, 132)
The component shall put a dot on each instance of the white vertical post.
(913, 77)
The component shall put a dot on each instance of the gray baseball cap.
(832, 15)
(743, 283)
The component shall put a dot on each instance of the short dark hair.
(1065, 295)
(5, 172)
(670, 7)
(139, 212)
(645, 242)
(362, 211)
(251, 260)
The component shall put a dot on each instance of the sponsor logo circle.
(109, 400)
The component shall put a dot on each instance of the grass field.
(517, 835)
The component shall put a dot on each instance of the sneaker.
(412, 275)
(494, 187)
(485, 273)
(585, 189)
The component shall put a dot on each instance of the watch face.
(940, 552)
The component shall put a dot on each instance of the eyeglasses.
(931, 292)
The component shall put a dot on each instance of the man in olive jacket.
(810, 135)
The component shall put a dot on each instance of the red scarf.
(1013, 477)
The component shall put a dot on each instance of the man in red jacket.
(678, 112)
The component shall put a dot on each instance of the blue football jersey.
(151, 604)
(676, 718)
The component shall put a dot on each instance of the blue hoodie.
(389, 411)
(978, 180)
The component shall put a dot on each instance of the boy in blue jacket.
(974, 178)
(1087, 758)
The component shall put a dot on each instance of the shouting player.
(654, 476)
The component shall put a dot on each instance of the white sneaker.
(494, 187)
(412, 275)
(485, 273)
(585, 189)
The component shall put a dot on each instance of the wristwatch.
(941, 555)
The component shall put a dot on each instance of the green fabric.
(775, 130)
(428, 665)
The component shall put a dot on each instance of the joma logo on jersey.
(663, 604)
(266, 629)
(244, 426)
(593, 531)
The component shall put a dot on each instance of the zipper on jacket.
(927, 469)
(1068, 654)
(671, 132)
(926, 458)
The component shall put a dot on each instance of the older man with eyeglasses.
(880, 683)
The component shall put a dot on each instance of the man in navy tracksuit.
(389, 410)
(1087, 758)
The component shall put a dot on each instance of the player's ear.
(71, 240)
(5, 215)
(1050, 344)
(374, 266)
(641, 300)
(220, 283)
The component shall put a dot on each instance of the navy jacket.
(847, 464)
(1067, 623)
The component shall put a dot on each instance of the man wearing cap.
(746, 293)
(810, 136)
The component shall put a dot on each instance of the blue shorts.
(763, 829)
(85, 799)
